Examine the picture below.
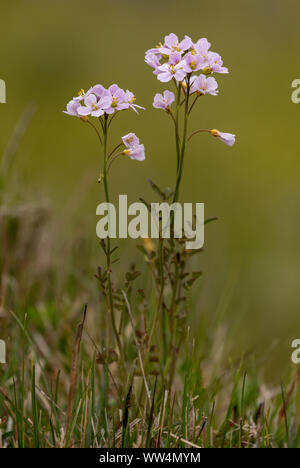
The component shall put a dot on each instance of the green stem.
(108, 253)
(182, 152)
(177, 128)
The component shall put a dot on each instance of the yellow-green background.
(51, 49)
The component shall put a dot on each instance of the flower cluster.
(98, 101)
(177, 60)
(190, 66)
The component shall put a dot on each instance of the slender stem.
(194, 102)
(111, 119)
(108, 255)
(177, 127)
(96, 130)
(186, 116)
(115, 149)
(112, 159)
(162, 286)
(203, 130)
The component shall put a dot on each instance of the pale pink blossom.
(118, 101)
(227, 138)
(130, 99)
(215, 63)
(130, 140)
(172, 44)
(202, 47)
(72, 108)
(167, 71)
(192, 62)
(135, 152)
(163, 101)
(203, 85)
(94, 107)
(152, 58)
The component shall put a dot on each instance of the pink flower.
(130, 140)
(152, 58)
(72, 108)
(202, 85)
(167, 71)
(133, 147)
(93, 106)
(118, 101)
(163, 101)
(99, 91)
(130, 99)
(136, 152)
(202, 47)
(193, 62)
(227, 138)
(215, 63)
(172, 44)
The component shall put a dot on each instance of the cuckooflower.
(167, 71)
(130, 140)
(152, 58)
(93, 106)
(192, 62)
(163, 101)
(227, 138)
(119, 101)
(130, 99)
(202, 85)
(172, 44)
(135, 152)
(215, 63)
(202, 47)
(72, 108)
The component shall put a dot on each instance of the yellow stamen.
(81, 92)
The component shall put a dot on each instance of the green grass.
(64, 384)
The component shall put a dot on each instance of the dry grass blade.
(187, 442)
(285, 405)
(74, 369)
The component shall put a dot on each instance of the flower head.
(227, 138)
(163, 101)
(203, 85)
(174, 58)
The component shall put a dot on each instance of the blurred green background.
(51, 49)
